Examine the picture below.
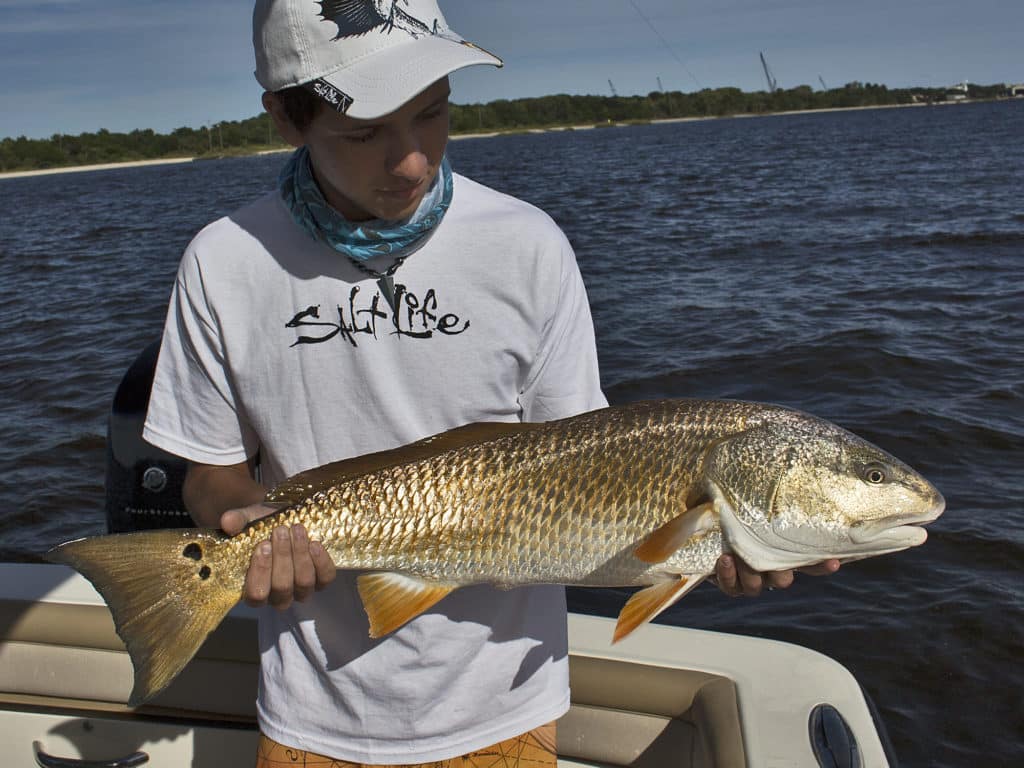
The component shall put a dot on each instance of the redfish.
(648, 494)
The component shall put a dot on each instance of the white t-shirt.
(275, 343)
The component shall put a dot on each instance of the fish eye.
(874, 474)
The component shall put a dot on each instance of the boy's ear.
(284, 126)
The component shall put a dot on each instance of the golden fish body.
(552, 503)
(644, 494)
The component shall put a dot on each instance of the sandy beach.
(97, 167)
(689, 119)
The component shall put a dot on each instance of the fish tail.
(167, 591)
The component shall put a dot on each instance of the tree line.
(255, 134)
(228, 137)
(562, 110)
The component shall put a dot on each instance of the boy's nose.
(408, 159)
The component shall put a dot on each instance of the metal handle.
(49, 761)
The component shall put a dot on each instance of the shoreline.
(96, 167)
(695, 119)
(485, 135)
(125, 164)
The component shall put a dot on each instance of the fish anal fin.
(301, 486)
(649, 602)
(392, 599)
(673, 535)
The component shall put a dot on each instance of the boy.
(375, 298)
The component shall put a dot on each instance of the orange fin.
(301, 486)
(391, 599)
(649, 602)
(673, 535)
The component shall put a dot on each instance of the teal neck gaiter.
(362, 240)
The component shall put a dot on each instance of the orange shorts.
(534, 749)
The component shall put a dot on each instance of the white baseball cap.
(366, 58)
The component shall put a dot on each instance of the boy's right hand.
(286, 567)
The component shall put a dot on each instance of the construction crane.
(822, 81)
(773, 85)
(660, 86)
(612, 86)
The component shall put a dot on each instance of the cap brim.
(381, 83)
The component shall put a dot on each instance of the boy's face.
(377, 169)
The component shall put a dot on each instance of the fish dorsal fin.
(649, 602)
(301, 486)
(391, 599)
(660, 545)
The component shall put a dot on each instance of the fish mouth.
(900, 530)
(901, 536)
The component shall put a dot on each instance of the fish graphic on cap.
(357, 17)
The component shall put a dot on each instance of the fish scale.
(527, 531)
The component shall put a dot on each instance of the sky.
(73, 66)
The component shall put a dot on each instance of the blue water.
(864, 266)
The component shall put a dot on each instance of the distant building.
(957, 92)
(1015, 90)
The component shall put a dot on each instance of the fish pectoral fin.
(392, 599)
(649, 602)
(673, 535)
